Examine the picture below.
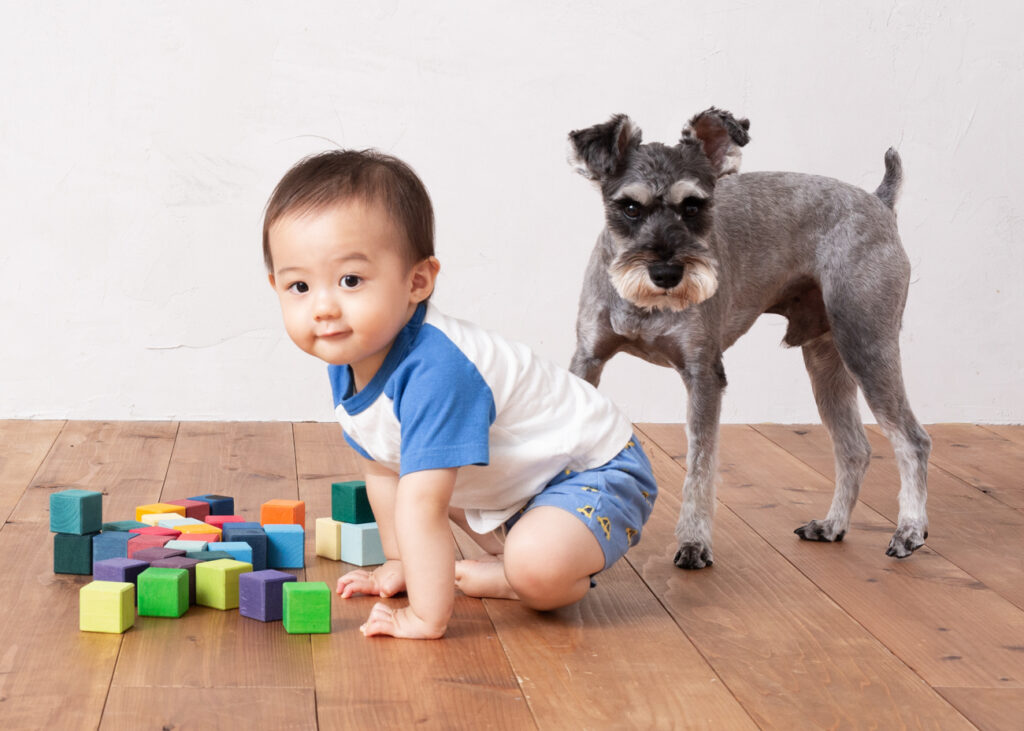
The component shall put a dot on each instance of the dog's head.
(658, 203)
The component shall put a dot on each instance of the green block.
(349, 503)
(122, 526)
(76, 511)
(163, 592)
(106, 606)
(306, 607)
(72, 554)
(217, 582)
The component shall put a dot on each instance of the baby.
(451, 421)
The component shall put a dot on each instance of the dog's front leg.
(704, 385)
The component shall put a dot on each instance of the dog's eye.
(632, 210)
(691, 207)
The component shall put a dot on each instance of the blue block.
(111, 545)
(76, 511)
(175, 522)
(259, 594)
(286, 546)
(254, 535)
(240, 550)
(360, 544)
(219, 504)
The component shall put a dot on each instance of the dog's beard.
(632, 282)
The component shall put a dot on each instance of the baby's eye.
(298, 288)
(350, 281)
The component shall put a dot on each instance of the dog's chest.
(646, 333)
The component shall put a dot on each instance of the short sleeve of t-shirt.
(444, 406)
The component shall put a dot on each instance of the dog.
(692, 253)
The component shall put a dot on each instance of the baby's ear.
(424, 276)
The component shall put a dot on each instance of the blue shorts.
(613, 500)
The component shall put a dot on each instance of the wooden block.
(76, 511)
(283, 512)
(155, 530)
(197, 509)
(230, 528)
(177, 520)
(328, 538)
(113, 544)
(122, 525)
(202, 537)
(181, 562)
(220, 520)
(187, 546)
(349, 503)
(163, 592)
(217, 582)
(106, 606)
(360, 544)
(285, 546)
(239, 550)
(156, 553)
(255, 536)
(155, 518)
(208, 555)
(203, 528)
(125, 570)
(72, 553)
(306, 607)
(219, 504)
(158, 508)
(260, 594)
(143, 541)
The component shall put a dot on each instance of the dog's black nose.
(664, 275)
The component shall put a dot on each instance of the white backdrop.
(139, 142)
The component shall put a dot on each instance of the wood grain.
(132, 708)
(25, 445)
(980, 458)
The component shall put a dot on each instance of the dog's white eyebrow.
(686, 188)
(638, 192)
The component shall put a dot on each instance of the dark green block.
(349, 503)
(72, 554)
(306, 607)
(163, 592)
(208, 555)
(122, 526)
(76, 511)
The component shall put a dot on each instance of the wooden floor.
(778, 634)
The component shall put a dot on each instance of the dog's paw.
(826, 531)
(693, 556)
(905, 541)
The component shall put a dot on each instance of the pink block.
(145, 541)
(155, 530)
(220, 520)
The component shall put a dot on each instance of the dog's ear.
(598, 152)
(721, 136)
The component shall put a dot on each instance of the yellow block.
(155, 518)
(328, 538)
(196, 528)
(158, 508)
(217, 582)
(106, 606)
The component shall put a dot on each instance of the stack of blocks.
(350, 534)
(76, 517)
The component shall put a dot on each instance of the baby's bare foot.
(484, 578)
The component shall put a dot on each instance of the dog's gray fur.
(691, 255)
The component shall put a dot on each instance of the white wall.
(139, 142)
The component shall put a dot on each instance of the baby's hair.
(334, 177)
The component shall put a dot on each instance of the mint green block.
(163, 592)
(306, 607)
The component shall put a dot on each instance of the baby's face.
(345, 288)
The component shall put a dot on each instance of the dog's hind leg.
(835, 392)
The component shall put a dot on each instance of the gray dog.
(691, 255)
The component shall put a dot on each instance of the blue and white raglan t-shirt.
(451, 394)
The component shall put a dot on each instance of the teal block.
(349, 503)
(72, 553)
(122, 526)
(360, 544)
(76, 511)
(208, 555)
(163, 592)
(286, 546)
(306, 607)
(239, 550)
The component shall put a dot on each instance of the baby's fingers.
(356, 582)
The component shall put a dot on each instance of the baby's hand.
(386, 580)
(403, 623)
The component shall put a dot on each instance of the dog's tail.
(889, 190)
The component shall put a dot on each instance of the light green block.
(163, 592)
(306, 607)
(217, 582)
(106, 606)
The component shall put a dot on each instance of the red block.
(145, 541)
(155, 530)
(220, 520)
(197, 509)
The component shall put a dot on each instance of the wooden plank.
(990, 709)
(941, 621)
(1012, 433)
(462, 681)
(972, 530)
(183, 708)
(209, 648)
(791, 656)
(25, 445)
(52, 675)
(980, 458)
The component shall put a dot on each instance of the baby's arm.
(428, 558)
(388, 579)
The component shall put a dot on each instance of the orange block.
(279, 512)
(195, 532)
(158, 508)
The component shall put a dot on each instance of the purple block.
(157, 554)
(180, 562)
(259, 594)
(118, 569)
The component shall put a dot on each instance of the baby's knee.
(544, 585)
